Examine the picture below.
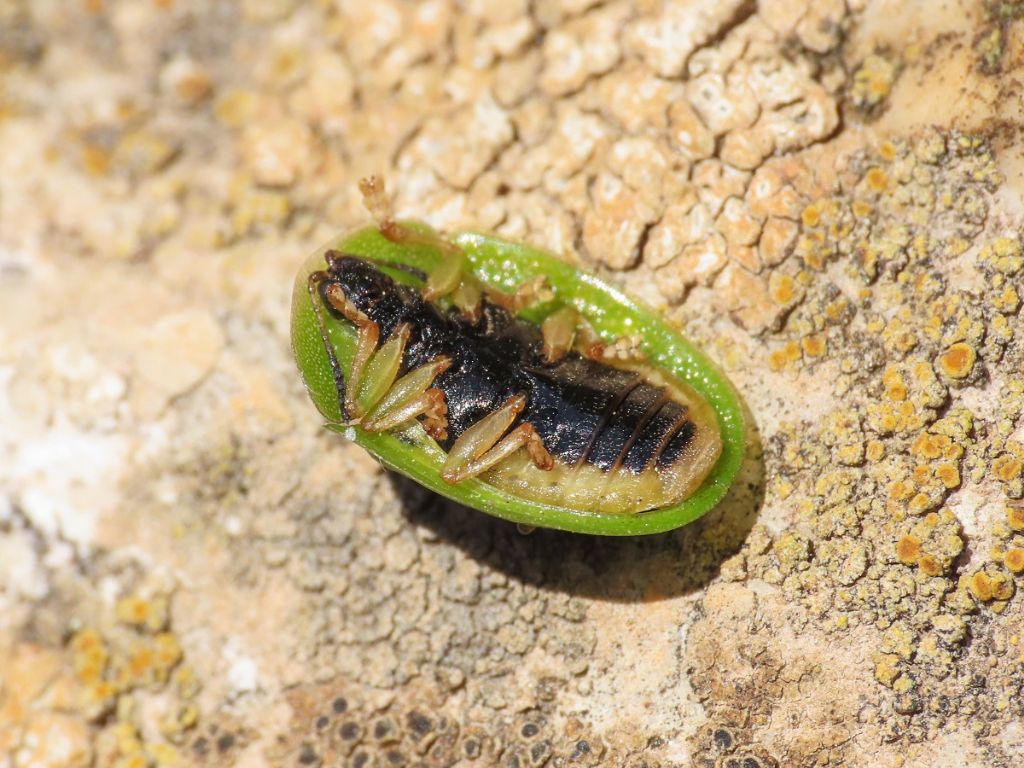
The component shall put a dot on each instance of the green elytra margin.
(505, 265)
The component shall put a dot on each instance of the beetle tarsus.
(539, 454)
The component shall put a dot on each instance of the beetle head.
(363, 284)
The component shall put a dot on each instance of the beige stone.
(581, 49)
(276, 151)
(52, 740)
(613, 227)
(666, 38)
(174, 355)
(722, 107)
(747, 298)
(325, 95)
(670, 235)
(777, 239)
(746, 148)
(736, 223)
(688, 132)
(770, 194)
(186, 80)
(698, 263)
(820, 28)
(460, 148)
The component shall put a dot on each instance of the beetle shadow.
(621, 569)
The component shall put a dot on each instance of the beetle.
(504, 378)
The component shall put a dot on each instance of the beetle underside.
(547, 413)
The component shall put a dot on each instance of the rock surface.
(824, 195)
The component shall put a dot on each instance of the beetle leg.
(431, 405)
(412, 396)
(448, 276)
(369, 332)
(482, 446)
(624, 349)
(382, 368)
(559, 330)
(468, 298)
(533, 291)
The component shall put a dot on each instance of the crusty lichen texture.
(824, 195)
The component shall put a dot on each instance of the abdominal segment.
(625, 448)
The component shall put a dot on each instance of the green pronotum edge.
(505, 265)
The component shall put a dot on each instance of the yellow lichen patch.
(981, 586)
(96, 160)
(908, 550)
(1004, 254)
(811, 215)
(957, 361)
(1014, 560)
(988, 586)
(887, 668)
(792, 550)
(887, 151)
(814, 345)
(139, 668)
(921, 474)
(186, 682)
(1006, 468)
(895, 386)
(921, 502)
(850, 455)
(164, 754)
(1015, 518)
(900, 490)
(929, 446)
(875, 450)
(783, 289)
(877, 179)
(861, 208)
(89, 655)
(176, 722)
(1008, 301)
(872, 83)
(147, 614)
(948, 473)
(100, 694)
(787, 355)
(930, 566)
(236, 107)
(166, 654)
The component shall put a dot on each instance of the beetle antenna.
(377, 202)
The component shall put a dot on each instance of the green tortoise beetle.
(502, 377)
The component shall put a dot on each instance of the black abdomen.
(583, 410)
